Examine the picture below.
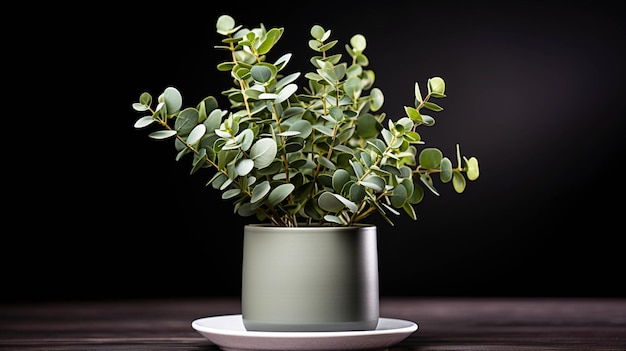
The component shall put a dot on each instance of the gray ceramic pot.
(319, 278)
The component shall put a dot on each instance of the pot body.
(319, 278)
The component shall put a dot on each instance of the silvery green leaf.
(331, 121)
(333, 219)
(344, 148)
(428, 120)
(172, 99)
(226, 184)
(387, 136)
(247, 209)
(140, 107)
(288, 133)
(244, 166)
(418, 93)
(260, 191)
(230, 193)
(254, 93)
(390, 169)
(196, 134)
(399, 196)
(263, 73)
(352, 88)
(217, 180)
(144, 122)
(326, 163)
(159, 106)
(336, 113)
(430, 158)
(231, 144)
(331, 202)
(293, 111)
(340, 178)
(358, 170)
(280, 193)
(406, 123)
(376, 183)
(446, 170)
(162, 134)
(222, 133)
(263, 152)
(268, 96)
(324, 130)
(390, 209)
(285, 93)
(213, 121)
(357, 192)
(366, 160)
(281, 63)
(377, 99)
(286, 80)
(225, 25)
(246, 138)
(303, 127)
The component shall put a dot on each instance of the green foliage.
(316, 154)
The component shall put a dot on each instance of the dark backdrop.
(97, 210)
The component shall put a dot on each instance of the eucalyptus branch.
(317, 157)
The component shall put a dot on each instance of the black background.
(94, 209)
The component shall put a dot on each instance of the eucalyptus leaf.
(263, 152)
(280, 193)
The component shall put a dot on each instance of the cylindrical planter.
(319, 278)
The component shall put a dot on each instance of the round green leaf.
(399, 196)
(446, 170)
(144, 122)
(243, 166)
(430, 158)
(263, 73)
(280, 193)
(263, 152)
(172, 99)
(260, 191)
(458, 182)
(472, 168)
(340, 178)
(196, 134)
(334, 202)
(328, 202)
(437, 86)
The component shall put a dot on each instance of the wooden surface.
(444, 324)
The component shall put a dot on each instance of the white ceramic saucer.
(229, 334)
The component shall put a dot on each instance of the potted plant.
(307, 153)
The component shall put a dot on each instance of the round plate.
(229, 334)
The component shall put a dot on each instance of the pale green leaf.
(280, 193)
(162, 134)
(144, 122)
(263, 152)
(244, 166)
(260, 191)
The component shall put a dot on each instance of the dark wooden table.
(444, 324)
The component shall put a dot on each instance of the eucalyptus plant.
(317, 154)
